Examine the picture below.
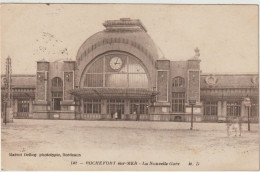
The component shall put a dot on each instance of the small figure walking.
(116, 115)
(229, 124)
(234, 123)
(137, 117)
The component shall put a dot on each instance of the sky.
(226, 35)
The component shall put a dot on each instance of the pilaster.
(81, 108)
(103, 106)
(219, 108)
(224, 109)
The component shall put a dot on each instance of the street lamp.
(247, 103)
(192, 102)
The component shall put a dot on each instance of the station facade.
(119, 74)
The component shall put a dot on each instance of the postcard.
(129, 87)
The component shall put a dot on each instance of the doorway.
(56, 103)
(56, 99)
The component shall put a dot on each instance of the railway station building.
(119, 73)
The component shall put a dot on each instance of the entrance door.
(23, 109)
(56, 98)
(56, 103)
(115, 105)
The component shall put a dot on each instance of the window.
(115, 105)
(57, 82)
(233, 108)
(254, 109)
(211, 108)
(139, 106)
(23, 105)
(56, 94)
(178, 82)
(92, 106)
(116, 70)
(178, 102)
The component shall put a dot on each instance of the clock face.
(116, 63)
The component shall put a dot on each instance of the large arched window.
(116, 70)
(178, 82)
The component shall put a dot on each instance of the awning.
(114, 92)
(22, 94)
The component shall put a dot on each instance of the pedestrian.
(240, 125)
(237, 125)
(116, 115)
(228, 124)
(119, 114)
(137, 117)
(134, 114)
(234, 124)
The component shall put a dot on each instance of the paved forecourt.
(57, 144)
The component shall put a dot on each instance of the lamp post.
(247, 103)
(8, 117)
(192, 102)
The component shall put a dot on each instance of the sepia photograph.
(129, 87)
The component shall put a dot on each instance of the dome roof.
(124, 33)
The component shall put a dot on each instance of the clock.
(116, 63)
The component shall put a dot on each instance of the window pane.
(138, 81)
(95, 108)
(97, 66)
(57, 82)
(89, 108)
(210, 108)
(178, 101)
(23, 106)
(92, 106)
(94, 80)
(178, 82)
(116, 80)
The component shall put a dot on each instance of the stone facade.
(80, 90)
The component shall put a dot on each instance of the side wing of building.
(23, 94)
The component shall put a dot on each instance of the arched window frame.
(101, 72)
(178, 82)
(57, 82)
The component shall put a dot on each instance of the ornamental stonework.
(255, 80)
(211, 80)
